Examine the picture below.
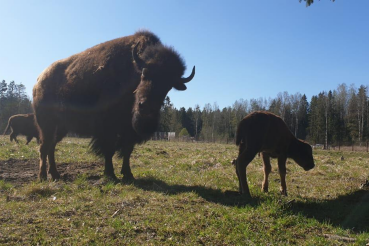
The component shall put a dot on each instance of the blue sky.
(241, 49)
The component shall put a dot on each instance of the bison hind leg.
(52, 165)
(13, 136)
(282, 173)
(50, 134)
(61, 132)
(267, 170)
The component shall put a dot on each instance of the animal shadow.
(350, 211)
(218, 196)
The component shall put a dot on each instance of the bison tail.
(239, 135)
(7, 128)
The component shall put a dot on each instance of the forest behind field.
(13, 100)
(334, 118)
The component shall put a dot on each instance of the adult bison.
(23, 124)
(267, 133)
(112, 92)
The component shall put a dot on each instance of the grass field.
(180, 197)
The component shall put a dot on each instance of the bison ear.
(180, 87)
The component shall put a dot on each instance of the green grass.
(180, 197)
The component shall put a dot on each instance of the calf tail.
(239, 135)
(7, 128)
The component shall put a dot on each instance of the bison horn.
(188, 79)
(139, 62)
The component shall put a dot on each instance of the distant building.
(164, 136)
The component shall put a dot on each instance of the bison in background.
(23, 124)
(267, 133)
(112, 92)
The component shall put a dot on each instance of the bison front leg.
(126, 167)
(109, 169)
(242, 180)
(282, 172)
(242, 162)
(267, 170)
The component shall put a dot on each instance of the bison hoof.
(265, 189)
(128, 179)
(246, 195)
(111, 177)
(42, 177)
(283, 192)
(55, 175)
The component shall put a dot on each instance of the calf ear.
(180, 87)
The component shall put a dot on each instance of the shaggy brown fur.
(112, 92)
(23, 124)
(267, 133)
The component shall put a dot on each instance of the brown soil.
(20, 172)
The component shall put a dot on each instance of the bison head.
(303, 155)
(161, 70)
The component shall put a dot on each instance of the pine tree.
(302, 115)
(166, 116)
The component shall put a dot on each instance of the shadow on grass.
(228, 198)
(350, 211)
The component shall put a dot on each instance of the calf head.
(302, 154)
(161, 70)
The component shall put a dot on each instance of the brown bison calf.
(23, 124)
(267, 133)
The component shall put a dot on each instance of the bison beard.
(145, 126)
(112, 92)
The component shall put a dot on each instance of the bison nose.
(309, 167)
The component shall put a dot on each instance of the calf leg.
(126, 169)
(267, 170)
(29, 138)
(282, 172)
(13, 135)
(243, 160)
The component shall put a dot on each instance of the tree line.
(13, 100)
(333, 118)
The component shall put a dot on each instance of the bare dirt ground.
(20, 172)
